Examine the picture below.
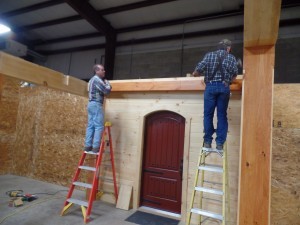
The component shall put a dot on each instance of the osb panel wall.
(50, 134)
(126, 110)
(285, 195)
(9, 101)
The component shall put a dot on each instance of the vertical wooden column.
(256, 136)
(261, 24)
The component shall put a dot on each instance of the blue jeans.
(216, 95)
(95, 125)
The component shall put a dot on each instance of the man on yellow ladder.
(219, 69)
(98, 87)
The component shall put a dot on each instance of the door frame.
(139, 158)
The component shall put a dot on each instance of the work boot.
(87, 149)
(95, 150)
(219, 147)
(207, 145)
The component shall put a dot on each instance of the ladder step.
(81, 184)
(106, 179)
(207, 213)
(77, 202)
(209, 190)
(212, 150)
(91, 153)
(88, 168)
(217, 169)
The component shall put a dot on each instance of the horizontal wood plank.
(166, 84)
(18, 68)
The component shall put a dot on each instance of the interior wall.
(42, 132)
(126, 111)
(285, 191)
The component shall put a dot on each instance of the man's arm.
(104, 86)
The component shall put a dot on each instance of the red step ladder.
(86, 207)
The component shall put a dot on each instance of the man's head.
(225, 44)
(99, 70)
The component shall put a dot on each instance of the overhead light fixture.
(4, 29)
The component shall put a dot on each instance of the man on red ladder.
(98, 87)
(219, 69)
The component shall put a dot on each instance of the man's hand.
(196, 74)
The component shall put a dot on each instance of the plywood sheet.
(286, 106)
(9, 101)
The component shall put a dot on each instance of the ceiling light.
(4, 29)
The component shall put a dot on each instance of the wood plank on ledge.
(166, 84)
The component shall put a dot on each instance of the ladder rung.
(106, 179)
(212, 168)
(107, 165)
(207, 213)
(209, 190)
(92, 153)
(81, 184)
(212, 150)
(77, 202)
(88, 168)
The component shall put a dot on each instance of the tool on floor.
(19, 193)
(203, 185)
(86, 207)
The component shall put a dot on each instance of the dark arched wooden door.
(162, 161)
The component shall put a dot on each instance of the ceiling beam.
(132, 6)
(31, 8)
(150, 40)
(47, 23)
(86, 11)
(283, 23)
(148, 26)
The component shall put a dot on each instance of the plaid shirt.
(210, 62)
(97, 89)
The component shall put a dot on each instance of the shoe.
(87, 149)
(219, 147)
(95, 150)
(207, 145)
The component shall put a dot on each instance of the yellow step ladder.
(200, 186)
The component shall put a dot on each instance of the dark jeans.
(216, 95)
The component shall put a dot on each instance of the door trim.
(139, 158)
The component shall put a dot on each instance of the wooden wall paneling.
(127, 108)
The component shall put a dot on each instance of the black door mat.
(143, 218)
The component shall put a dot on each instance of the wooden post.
(256, 137)
(260, 35)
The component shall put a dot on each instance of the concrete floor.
(46, 209)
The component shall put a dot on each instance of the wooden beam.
(261, 22)
(256, 136)
(26, 71)
(166, 84)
